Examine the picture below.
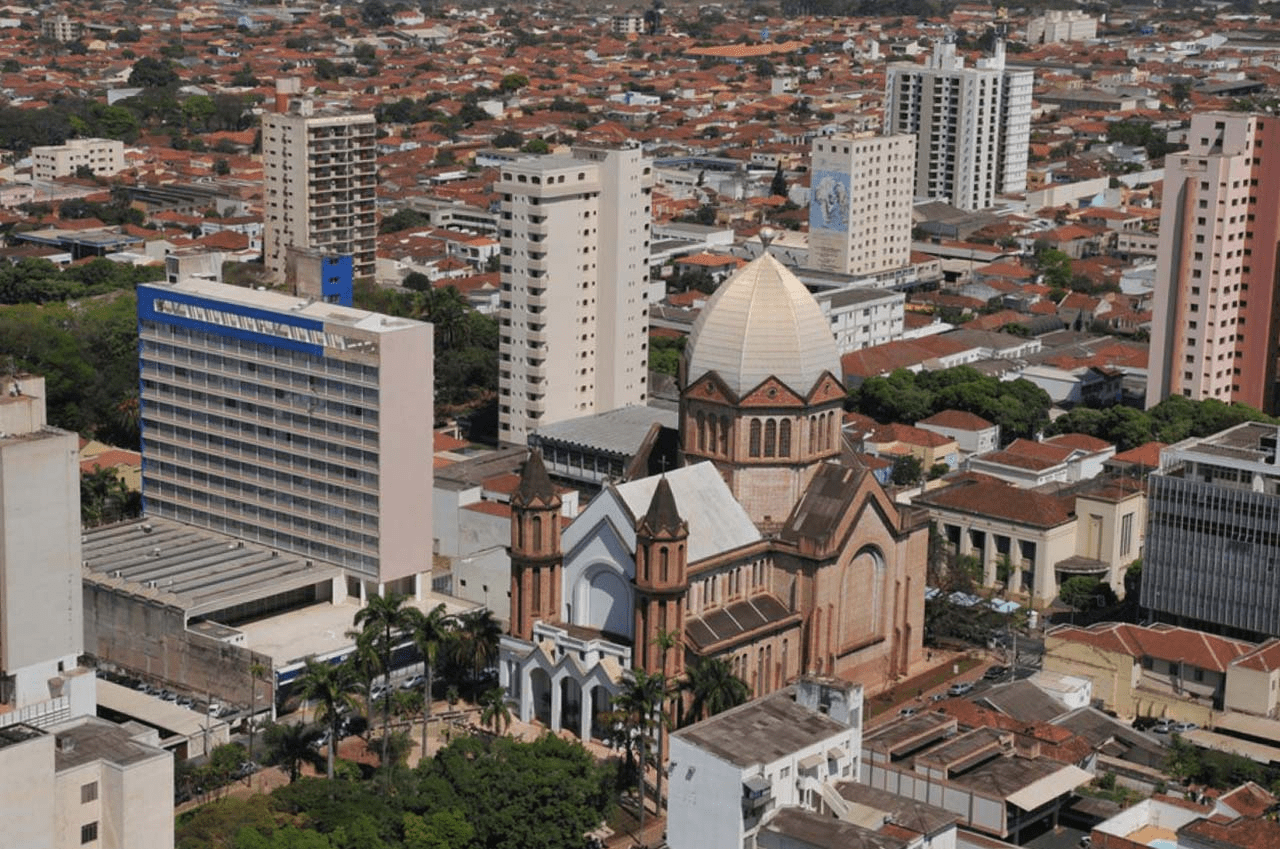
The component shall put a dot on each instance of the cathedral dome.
(762, 322)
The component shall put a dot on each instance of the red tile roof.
(1166, 642)
(957, 420)
(983, 496)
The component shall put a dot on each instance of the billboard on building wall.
(829, 208)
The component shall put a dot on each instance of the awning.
(835, 754)
(1050, 787)
(756, 784)
(811, 762)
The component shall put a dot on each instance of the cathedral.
(771, 547)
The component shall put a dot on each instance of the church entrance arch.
(602, 600)
(540, 686)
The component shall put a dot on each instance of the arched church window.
(813, 434)
(702, 432)
(770, 438)
(519, 534)
(664, 564)
(724, 434)
(784, 438)
(537, 533)
(754, 447)
(711, 433)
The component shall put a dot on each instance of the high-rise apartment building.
(972, 125)
(41, 603)
(1213, 333)
(860, 202)
(320, 171)
(573, 320)
(299, 424)
(1213, 533)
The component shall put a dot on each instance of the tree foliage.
(87, 353)
(1172, 420)
(1019, 406)
(466, 341)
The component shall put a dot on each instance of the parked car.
(413, 682)
(907, 711)
(995, 673)
(960, 688)
(246, 769)
(1164, 726)
(1184, 727)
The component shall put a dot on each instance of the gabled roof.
(1165, 642)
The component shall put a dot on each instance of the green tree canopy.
(153, 72)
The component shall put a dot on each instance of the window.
(88, 792)
(89, 833)
(753, 448)
(1126, 533)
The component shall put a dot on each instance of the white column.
(556, 704)
(587, 702)
(526, 694)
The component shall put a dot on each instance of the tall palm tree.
(495, 712)
(477, 643)
(641, 705)
(290, 745)
(666, 640)
(430, 630)
(330, 686)
(366, 661)
(712, 687)
(385, 618)
(256, 671)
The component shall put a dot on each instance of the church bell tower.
(536, 559)
(662, 581)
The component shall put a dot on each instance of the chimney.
(286, 87)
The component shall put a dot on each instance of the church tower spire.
(662, 582)
(536, 559)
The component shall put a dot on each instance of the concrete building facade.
(302, 425)
(105, 157)
(320, 172)
(1213, 535)
(87, 782)
(972, 125)
(573, 316)
(41, 607)
(1212, 331)
(1059, 25)
(860, 206)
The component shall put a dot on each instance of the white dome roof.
(763, 322)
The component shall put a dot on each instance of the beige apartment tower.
(860, 202)
(41, 608)
(1213, 329)
(320, 172)
(574, 312)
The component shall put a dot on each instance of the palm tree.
(713, 688)
(385, 618)
(477, 644)
(367, 663)
(291, 745)
(495, 713)
(641, 705)
(256, 671)
(666, 640)
(430, 630)
(330, 686)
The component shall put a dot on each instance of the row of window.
(218, 434)
(302, 542)
(231, 353)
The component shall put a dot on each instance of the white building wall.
(704, 800)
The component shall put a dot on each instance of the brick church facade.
(771, 547)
